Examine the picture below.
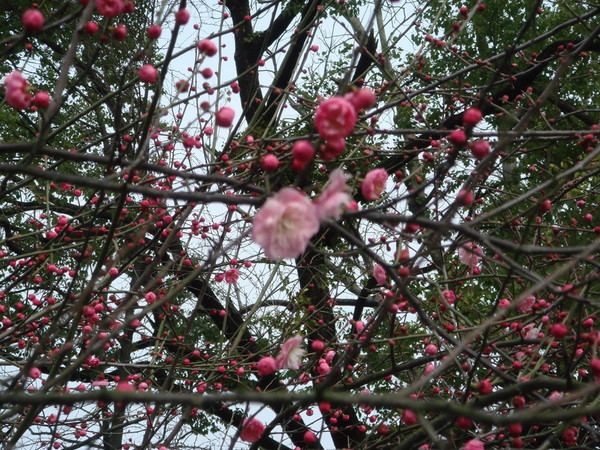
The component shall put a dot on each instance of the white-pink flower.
(328, 205)
(291, 353)
(379, 274)
(285, 224)
(470, 254)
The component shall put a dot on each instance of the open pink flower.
(526, 305)
(232, 275)
(252, 430)
(328, 205)
(374, 183)
(379, 274)
(335, 118)
(16, 90)
(470, 254)
(291, 354)
(285, 224)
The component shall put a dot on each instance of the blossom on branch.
(252, 430)
(335, 118)
(379, 274)
(374, 183)
(291, 354)
(285, 224)
(470, 254)
(17, 94)
(334, 196)
(288, 220)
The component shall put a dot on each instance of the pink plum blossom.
(109, 8)
(329, 356)
(285, 224)
(148, 73)
(529, 331)
(33, 20)
(526, 305)
(470, 254)
(474, 444)
(182, 16)
(379, 274)
(361, 99)
(303, 152)
(17, 95)
(252, 430)
(291, 354)
(332, 149)
(208, 47)
(374, 183)
(266, 366)
(231, 276)
(335, 118)
(449, 296)
(328, 204)
(224, 117)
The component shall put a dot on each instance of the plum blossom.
(288, 220)
(379, 274)
(232, 275)
(526, 305)
(449, 296)
(470, 254)
(529, 331)
(224, 117)
(335, 118)
(17, 95)
(285, 224)
(555, 396)
(291, 353)
(303, 152)
(374, 183)
(110, 8)
(361, 99)
(33, 20)
(266, 366)
(252, 430)
(208, 47)
(474, 444)
(328, 204)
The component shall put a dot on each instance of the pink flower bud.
(33, 20)
(361, 99)
(266, 366)
(269, 162)
(480, 149)
(182, 16)
(224, 117)
(148, 73)
(457, 137)
(154, 31)
(207, 47)
(472, 117)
